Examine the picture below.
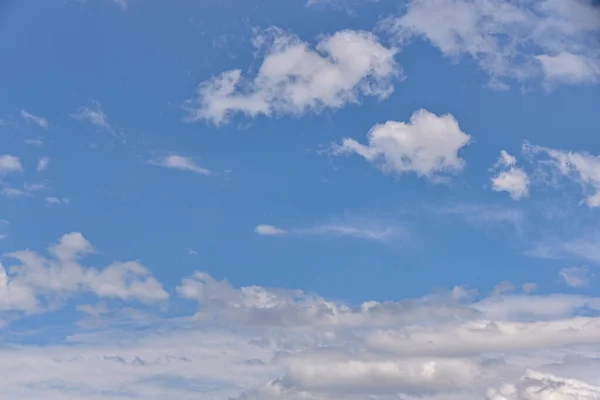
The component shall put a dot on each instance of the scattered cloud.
(510, 178)
(503, 287)
(577, 277)
(39, 121)
(14, 192)
(361, 230)
(42, 164)
(10, 163)
(486, 214)
(37, 283)
(581, 168)
(295, 79)
(56, 200)
(529, 287)
(94, 114)
(180, 162)
(428, 145)
(549, 39)
(269, 230)
(586, 247)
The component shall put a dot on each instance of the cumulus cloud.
(10, 163)
(296, 79)
(180, 162)
(427, 145)
(510, 178)
(577, 277)
(34, 119)
(55, 278)
(550, 39)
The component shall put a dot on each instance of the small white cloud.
(269, 230)
(10, 163)
(513, 180)
(180, 162)
(295, 79)
(56, 200)
(569, 68)
(35, 187)
(93, 114)
(40, 121)
(577, 277)
(428, 145)
(43, 164)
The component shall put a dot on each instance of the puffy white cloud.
(10, 163)
(40, 121)
(554, 39)
(512, 179)
(56, 278)
(180, 162)
(295, 79)
(577, 276)
(43, 164)
(428, 145)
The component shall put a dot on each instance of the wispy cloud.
(122, 4)
(56, 200)
(577, 277)
(94, 114)
(179, 162)
(40, 121)
(368, 231)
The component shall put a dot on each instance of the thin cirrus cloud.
(295, 79)
(93, 114)
(554, 40)
(34, 119)
(43, 163)
(577, 277)
(181, 163)
(428, 145)
(369, 231)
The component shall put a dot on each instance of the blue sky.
(258, 199)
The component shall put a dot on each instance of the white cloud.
(10, 163)
(269, 230)
(14, 192)
(582, 168)
(56, 200)
(535, 385)
(513, 180)
(361, 230)
(486, 214)
(554, 39)
(55, 278)
(40, 121)
(529, 287)
(180, 162)
(586, 248)
(577, 277)
(428, 145)
(93, 114)
(43, 163)
(295, 79)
